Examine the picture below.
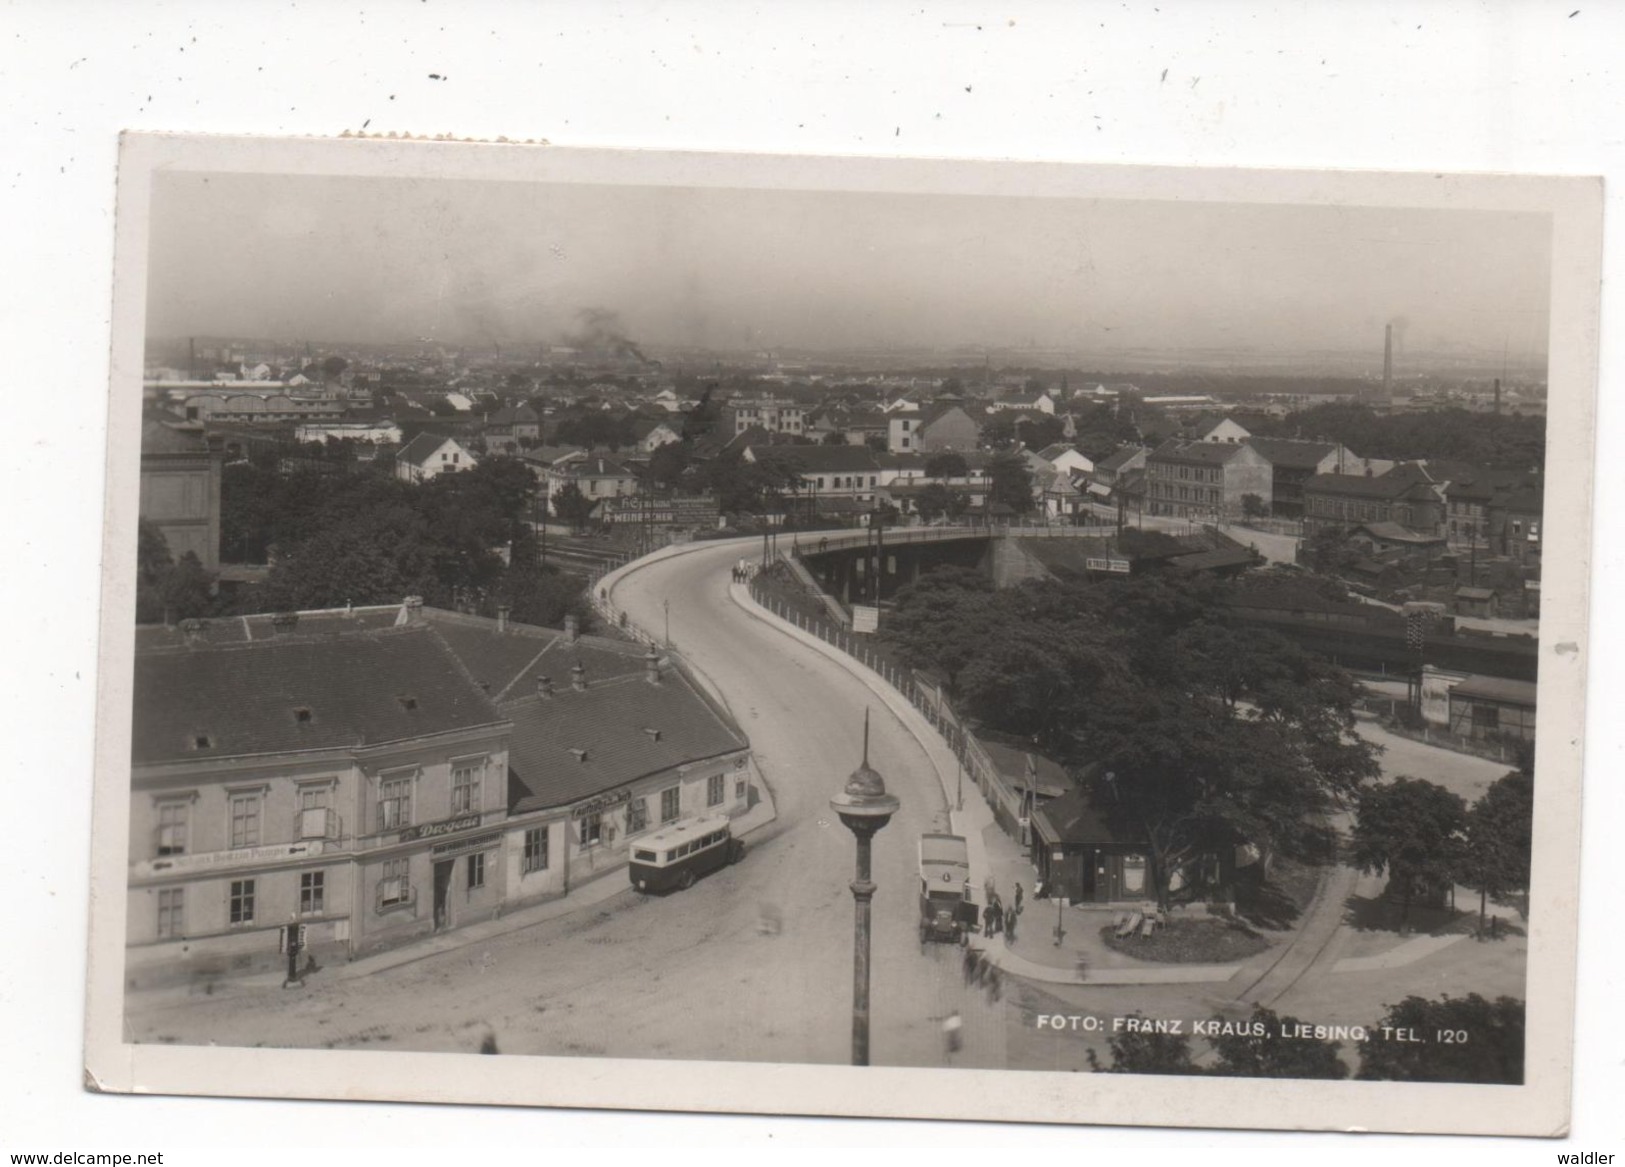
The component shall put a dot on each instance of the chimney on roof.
(544, 687)
(502, 617)
(284, 623)
(572, 628)
(578, 677)
(651, 666)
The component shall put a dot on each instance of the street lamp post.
(666, 608)
(865, 808)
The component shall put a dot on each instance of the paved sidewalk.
(1082, 957)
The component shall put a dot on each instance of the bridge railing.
(920, 691)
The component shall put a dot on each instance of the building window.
(245, 821)
(637, 816)
(315, 797)
(171, 913)
(465, 788)
(476, 870)
(312, 893)
(242, 901)
(592, 830)
(535, 850)
(394, 804)
(713, 790)
(395, 886)
(671, 803)
(172, 827)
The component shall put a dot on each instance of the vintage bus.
(679, 853)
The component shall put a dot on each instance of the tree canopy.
(1485, 1042)
(1201, 736)
(1011, 483)
(1414, 832)
(1500, 839)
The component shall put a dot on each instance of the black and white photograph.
(1065, 642)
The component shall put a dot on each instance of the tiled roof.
(1359, 486)
(1396, 533)
(160, 438)
(1119, 458)
(576, 744)
(421, 448)
(1205, 453)
(511, 661)
(367, 688)
(1292, 453)
(828, 459)
(1497, 689)
(1072, 818)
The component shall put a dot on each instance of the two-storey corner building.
(1204, 480)
(372, 776)
(330, 774)
(180, 489)
(429, 456)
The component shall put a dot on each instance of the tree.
(573, 507)
(1412, 831)
(373, 557)
(1500, 840)
(667, 463)
(835, 438)
(1453, 1039)
(1140, 1050)
(333, 366)
(1011, 483)
(188, 589)
(937, 500)
(947, 464)
(1038, 432)
(1261, 1048)
(1253, 506)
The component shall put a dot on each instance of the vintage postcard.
(830, 636)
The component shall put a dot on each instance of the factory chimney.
(1388, 366)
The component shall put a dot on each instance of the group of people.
(997, 918)
(743, 571)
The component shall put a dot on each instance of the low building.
(507, 431)
(1293, 463)
(772, 414)
(1490, 708)
(431, 455)
(1081, 859)
(1482, 602)
(1392, 542)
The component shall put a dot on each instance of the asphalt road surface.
(693, 974)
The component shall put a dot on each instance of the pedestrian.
(972, 955)
(951, 1026)
(995, 989)
(1018, 899)
(1010, 926)
(990, 919)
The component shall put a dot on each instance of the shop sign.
(443, 827)
(241, 857)
(1116, 566)
(476, 843)
(865, 618)
(600, 803)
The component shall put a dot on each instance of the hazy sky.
(334, 259)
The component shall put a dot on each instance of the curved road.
(690, 975)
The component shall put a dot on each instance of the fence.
(919, 691)
(1388, 709)
(614, 617)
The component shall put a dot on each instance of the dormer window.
(203, 742)
(302, 715)
(580, 755)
